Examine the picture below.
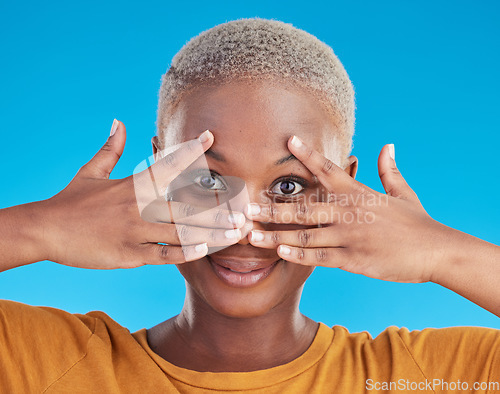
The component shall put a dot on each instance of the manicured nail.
(296, 142)
(391, 152)
(231, 234)
(284, 249)
(114, 126)
(201, 248)
(256, 236)
(204, 136)
(236, 218)
(253, 209)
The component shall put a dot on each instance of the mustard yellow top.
(48, 350)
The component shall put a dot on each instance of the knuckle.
(301, 210)
(189, 146)
(133, 226)
(275, 238)
(218, 215)
(273, 212)
(305, 237)
(321, 254)
(393, 191)
(394, 170)
(183, 233)
(213, 235)
(301, 254)
(125, 249)
(309, 153)
(170, 160)
(131, 207)
(328, 166)
(107, 147)
(164, 252)
(187, 253)
(332, 198)
(187, 210)
(361, 189)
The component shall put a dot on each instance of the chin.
(242, 307)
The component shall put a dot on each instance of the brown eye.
(210, 182)
(287, 187)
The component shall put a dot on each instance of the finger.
(103, 162)
(158, 176)
(326, 257)
(328, 173)
(167, 254)
(392, 180)
(304, 238)
(180, 234)
(164, 211)
(296, 212)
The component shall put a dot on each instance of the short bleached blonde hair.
(260, 48)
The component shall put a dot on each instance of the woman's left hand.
(384, 236)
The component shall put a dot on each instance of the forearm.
(21, 236)
(472, 269)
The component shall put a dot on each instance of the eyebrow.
(217, 156)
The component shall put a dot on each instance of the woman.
(280, 110)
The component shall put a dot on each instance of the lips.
(242, 265)
(242, 273)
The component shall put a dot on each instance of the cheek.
(302, 272)
(192, 270)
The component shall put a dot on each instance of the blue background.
(426, 78)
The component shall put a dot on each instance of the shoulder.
(43, 327)
(428, 340)
(40, 331)
(428, 336)
(463, 352)
(41, 343)
(458, 340)
(32, 321)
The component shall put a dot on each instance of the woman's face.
(251, 123)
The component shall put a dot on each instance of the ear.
(156, 145)
(352, 166)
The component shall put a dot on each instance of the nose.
(247, 227)
(255, 195)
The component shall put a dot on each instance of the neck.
(201, 339)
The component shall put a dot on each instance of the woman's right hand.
(95, 221)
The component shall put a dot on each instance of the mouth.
(241, 275)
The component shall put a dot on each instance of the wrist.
(446, 255)
(34, 230)
(21, 236)
(455, 248)
(471, 268)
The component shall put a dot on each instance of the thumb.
(103, 162)
(392, 180)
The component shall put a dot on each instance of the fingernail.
(236, 218)
(256, 236)
(201, 248)
(230, 234)
(392, 154)
(204, 137)
(296, 142)
(284, 249)
(114, 126)
(253, 209)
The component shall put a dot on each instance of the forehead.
(249, 117)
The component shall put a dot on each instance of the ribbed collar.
(244, 380)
